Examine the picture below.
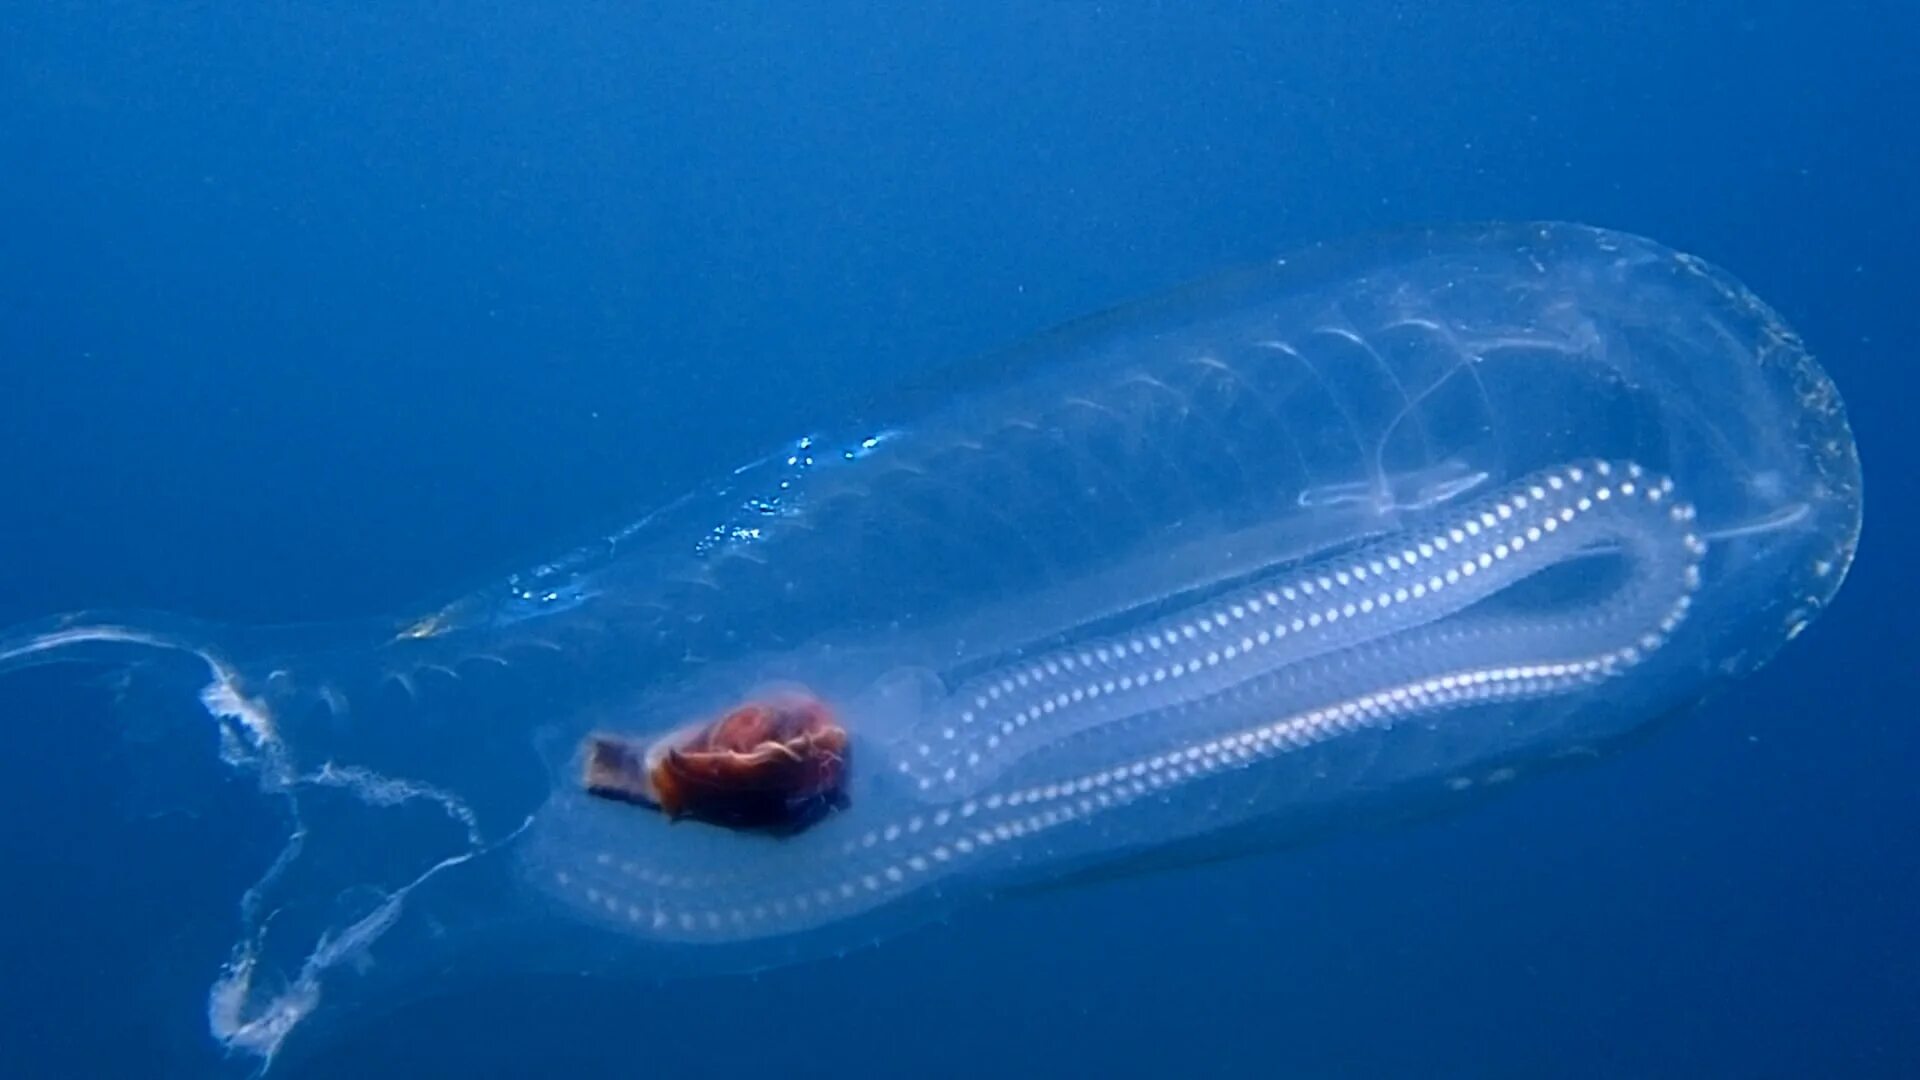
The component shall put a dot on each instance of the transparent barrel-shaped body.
(1363, 527)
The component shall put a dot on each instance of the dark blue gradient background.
(314, 310)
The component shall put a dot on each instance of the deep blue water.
(318, 313)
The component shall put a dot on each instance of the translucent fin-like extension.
(277, 930)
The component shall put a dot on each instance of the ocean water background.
(313, 313)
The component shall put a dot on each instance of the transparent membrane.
(1368, 526)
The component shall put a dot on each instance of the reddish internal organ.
(778, 764)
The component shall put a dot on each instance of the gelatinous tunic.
(1359, 528)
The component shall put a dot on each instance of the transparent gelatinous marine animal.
(1360, 527)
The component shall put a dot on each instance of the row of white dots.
(1115, 787)
(947, 768)
(1120, 784)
